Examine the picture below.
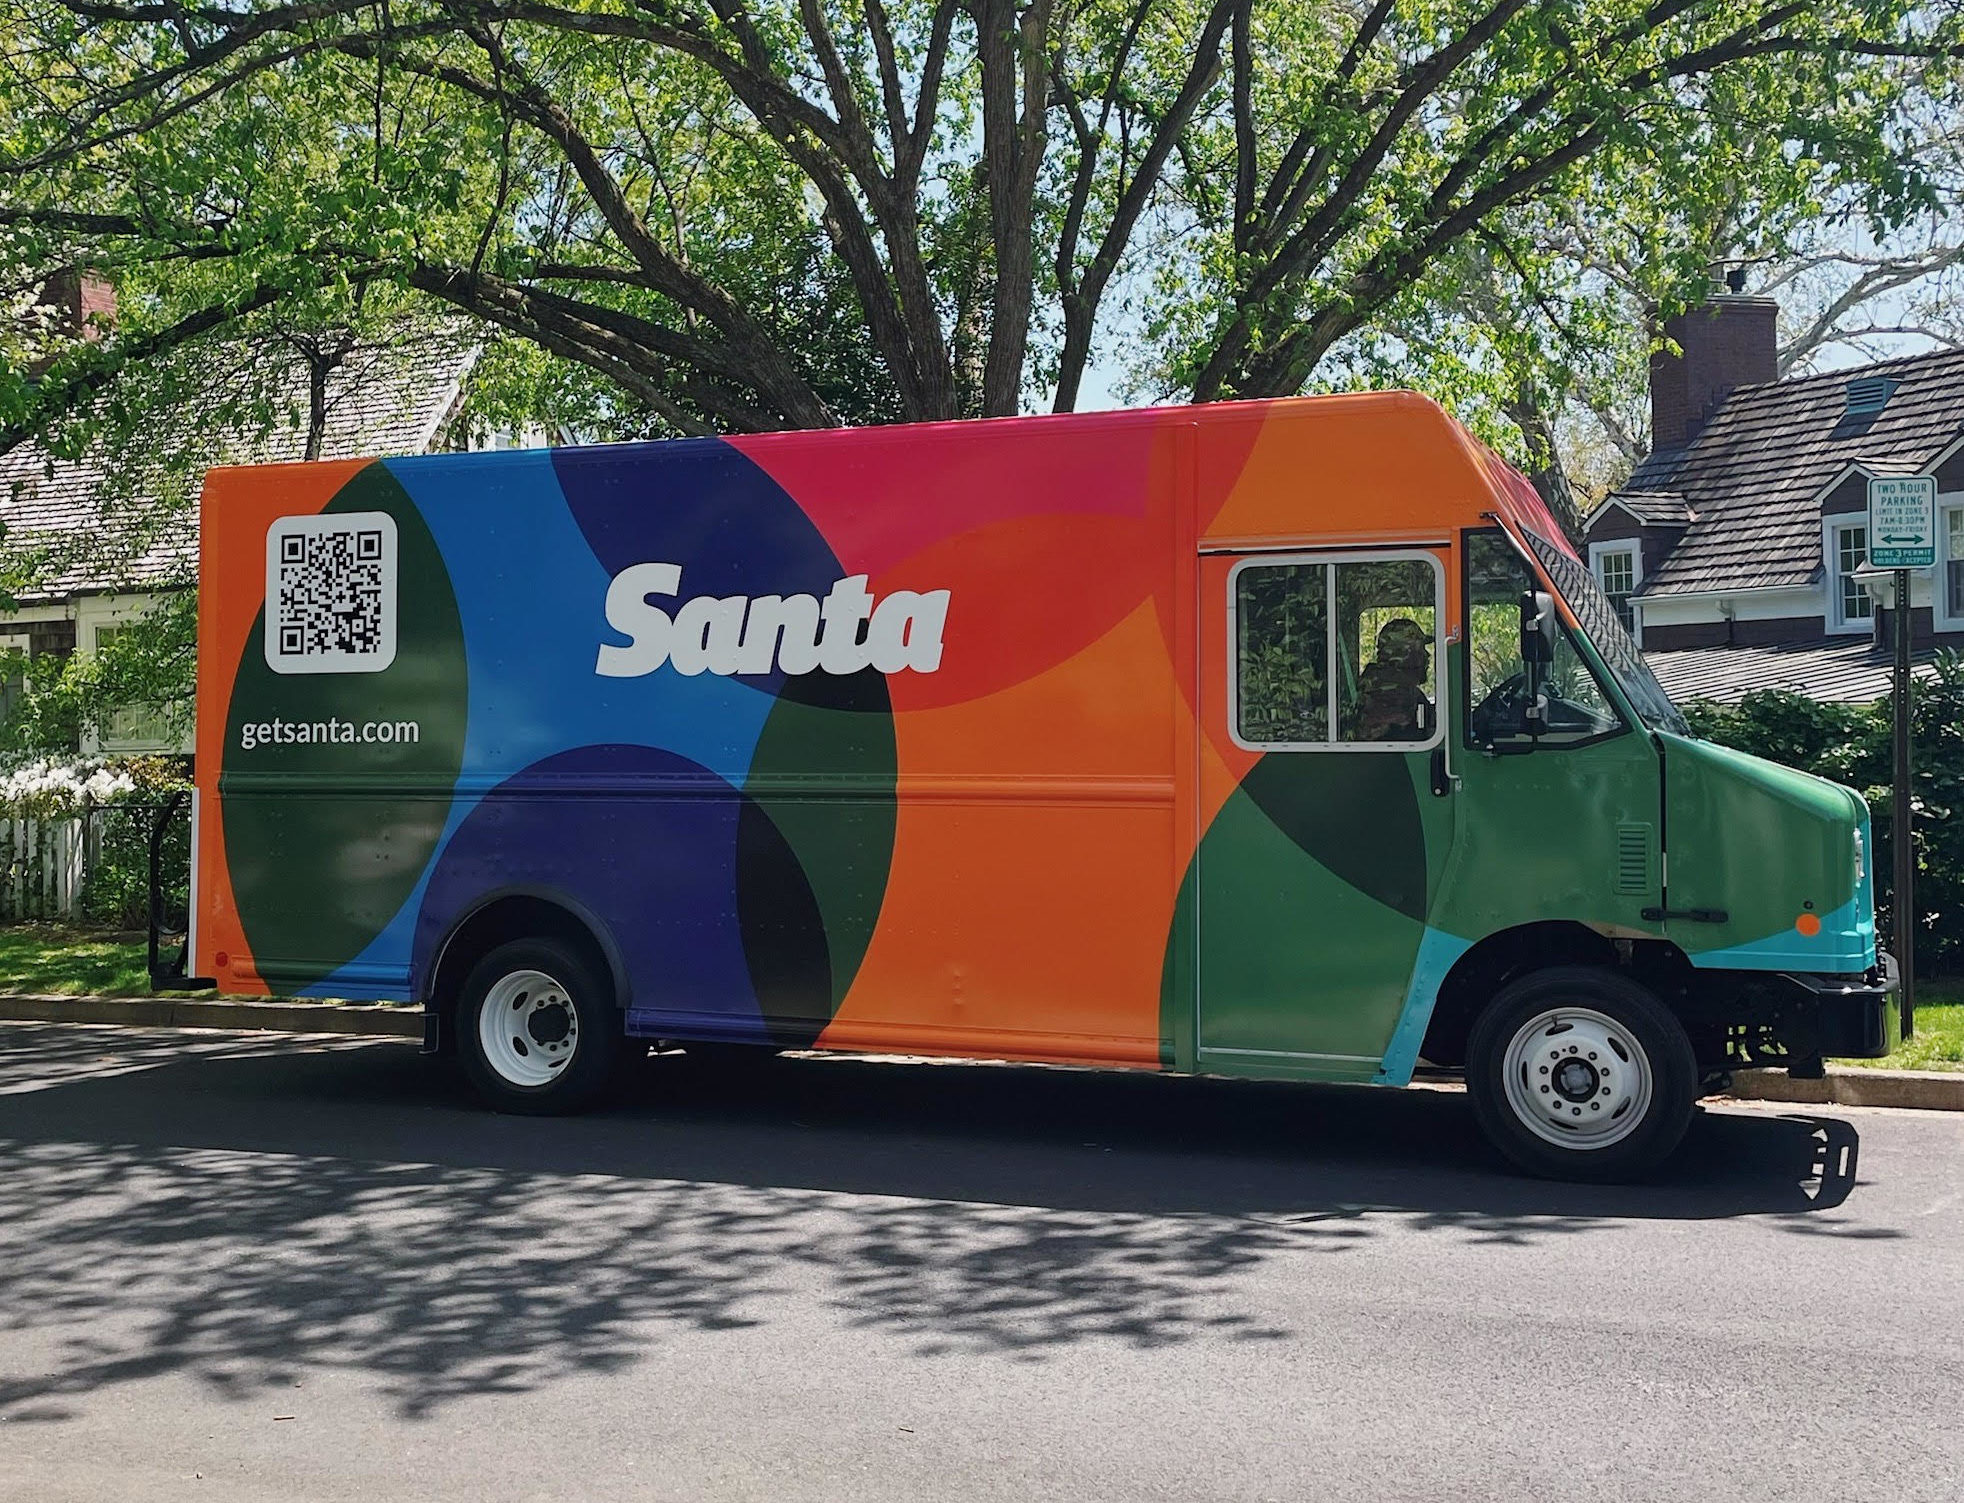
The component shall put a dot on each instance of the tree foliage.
(150, 667)
(1550, 336)
(748, 214)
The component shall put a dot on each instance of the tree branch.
(105, 364)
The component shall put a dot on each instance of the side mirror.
(1537, 627)
(1537, 652)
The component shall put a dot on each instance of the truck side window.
(1342, 652)
(1280, 650)
(1578, 709)
(1387, 619)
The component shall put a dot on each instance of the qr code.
(331, 593)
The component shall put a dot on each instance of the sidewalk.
(1925, 1090)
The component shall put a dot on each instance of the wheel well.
(1500, 957)
(514, 916)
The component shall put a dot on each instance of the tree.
(1549, 331)
(749, 214)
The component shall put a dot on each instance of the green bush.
(1851, 744)
(116, 892)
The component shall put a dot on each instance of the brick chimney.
(82, 304)
(1729, 341)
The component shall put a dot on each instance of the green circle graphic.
(328, 829)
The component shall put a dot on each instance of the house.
(1735, 550)
(100, 539)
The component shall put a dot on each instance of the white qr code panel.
(331, 593)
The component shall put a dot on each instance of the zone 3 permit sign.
(1902, 521)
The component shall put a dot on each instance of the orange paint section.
(236, 509)
(1383, 468)
(1030, 893)
(1373, 470)
(1036, 591)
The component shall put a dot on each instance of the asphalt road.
(236, 1267)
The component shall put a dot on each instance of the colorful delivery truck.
(1279, 739)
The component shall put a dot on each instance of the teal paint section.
(1438, 953)
(1846, 944)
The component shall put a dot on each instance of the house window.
(1851, 597)
(128, 728)
(15, 649)
(1954, 563)
(1617, 573)
(1615, 567)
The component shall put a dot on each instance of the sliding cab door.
(1323, 837)
(1562, 825)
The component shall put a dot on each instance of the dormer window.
(1849, 604)
(1950, 559)
(1615, 565)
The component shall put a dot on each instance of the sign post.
(1903, 537)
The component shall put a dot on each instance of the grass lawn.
(75, 962)
(1939, 1040)
(85, 963)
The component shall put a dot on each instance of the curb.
(1922, 1090)
(164, 1012)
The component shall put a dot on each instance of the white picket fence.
(47, 861)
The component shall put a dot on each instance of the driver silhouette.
(1391, 701)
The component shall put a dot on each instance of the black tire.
(1546, 1123)
(580, 1002)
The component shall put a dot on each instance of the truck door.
(1322, 841)
(1563, 824)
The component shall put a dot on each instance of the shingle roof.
(105, 522)
(1889, 464)
(1855, 672)
(1656, 508)
(1753, 473)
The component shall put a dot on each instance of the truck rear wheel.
(1581, 1073)
(537, 1028)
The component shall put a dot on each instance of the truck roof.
(1381, 464)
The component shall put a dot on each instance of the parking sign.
(1902, 521)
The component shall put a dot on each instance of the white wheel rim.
(1577, 1078)
(528, 1028)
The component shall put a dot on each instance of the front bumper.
(1849, 1017)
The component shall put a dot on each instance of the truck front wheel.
(1581, 1073)
(537, 1028)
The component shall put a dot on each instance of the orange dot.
(1808, 924)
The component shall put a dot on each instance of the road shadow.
(241, 1208)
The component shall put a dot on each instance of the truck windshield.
(1599, 623)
